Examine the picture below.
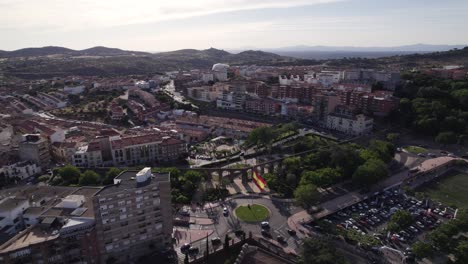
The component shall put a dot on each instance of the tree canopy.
(70, 174)
(400, 219)
(431, 105)
(371, 172)
(306, 195)
(320, 251)
(89, 177)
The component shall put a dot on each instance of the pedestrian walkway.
(184, 235)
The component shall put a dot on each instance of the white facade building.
(231, 101)
(355, 125)
(21, 170)
(11, 211)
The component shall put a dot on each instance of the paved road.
(280, 210)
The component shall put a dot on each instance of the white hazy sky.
(158, 25)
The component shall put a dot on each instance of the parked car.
(292, 232)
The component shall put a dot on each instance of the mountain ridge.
(56, 50)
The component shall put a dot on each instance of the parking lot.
(369, 218)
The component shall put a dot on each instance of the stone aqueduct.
(246, 172)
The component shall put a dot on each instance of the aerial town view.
(235, 132)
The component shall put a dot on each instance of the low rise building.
(57, 225)
(21, 170)
(52, 100)
(74, 89)
(263, 106)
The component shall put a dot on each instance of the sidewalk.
(184, 235)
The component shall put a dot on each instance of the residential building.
(207, 77)
(231, 101)
(116, 112)
(11, 210)
(51, 100)
(34, 148)
(134, 216)
(323, 104)
(346, 120)
(57, 225)
(21, 170)
(203, 93)
(64, 151)
(263, 106)
(88, 156)
(74, 89)
(20, 107)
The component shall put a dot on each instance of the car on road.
(193, 251)
(291, 232)
(225, 211)
(216, 241)
(422, 155)
(266, 233)
(184, 212)
(265, 224)
(239, 232)
(281, 239)
(185, 247)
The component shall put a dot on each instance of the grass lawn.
(415, 149)
(256, 213)
(450, 190)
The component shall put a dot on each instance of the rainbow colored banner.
(258, 180)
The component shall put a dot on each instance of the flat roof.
(28, 237)
(10, 203)
(128, 181)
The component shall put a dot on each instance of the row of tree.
(71, 175)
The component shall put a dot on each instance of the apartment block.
(34, 148)
(346, 120)
(134, 216)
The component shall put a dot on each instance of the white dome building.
(220, 67)
(220, 71)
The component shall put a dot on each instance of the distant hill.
(433, 59)
(104, 51)
(338, 52)
(208, 57)
(405, 48)
(110, 62)
(52, 50)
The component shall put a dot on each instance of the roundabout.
(252, 213)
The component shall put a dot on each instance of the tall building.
(134, 215)
(56, 224)
(34, 148)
